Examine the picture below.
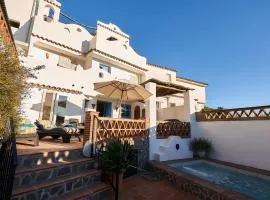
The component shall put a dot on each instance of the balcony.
(66, 63)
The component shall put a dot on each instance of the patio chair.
(27, 132)
(65, 132)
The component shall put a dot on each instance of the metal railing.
(8, 161)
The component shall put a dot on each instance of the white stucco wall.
(241, 142)
(177, 112)
(199, 93)
(20, 11)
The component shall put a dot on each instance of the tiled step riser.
(59, 189)
(24, 179)
(32, 160)
(102, 195)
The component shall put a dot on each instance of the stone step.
(37, 159)
(54, 188)
(27, 176)
(100, 191)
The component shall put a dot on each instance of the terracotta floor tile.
(138, 188)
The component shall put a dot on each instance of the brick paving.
(138, 188)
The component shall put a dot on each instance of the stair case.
(58, 175)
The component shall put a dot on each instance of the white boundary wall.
(241, 142)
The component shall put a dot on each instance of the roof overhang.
(193, 82)
(166, 88)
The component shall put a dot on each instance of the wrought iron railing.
(173, 128)
(236, 114)
(8, 161)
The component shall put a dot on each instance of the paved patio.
(138, 188)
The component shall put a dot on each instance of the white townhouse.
(76, 58)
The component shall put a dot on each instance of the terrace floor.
(139, 188)
(47, 144)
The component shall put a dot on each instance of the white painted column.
(151, 117)
(189, 106)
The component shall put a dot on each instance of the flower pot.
(202, 154)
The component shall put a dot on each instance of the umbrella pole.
(120, 110)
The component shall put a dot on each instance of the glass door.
(104, 108)
(61, 110)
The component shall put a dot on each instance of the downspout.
(34, 12)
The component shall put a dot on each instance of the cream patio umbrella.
(122, 90)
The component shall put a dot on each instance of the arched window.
(143, 113)
(51, 12)
(67, 30)
(111, 38)
(137, 112)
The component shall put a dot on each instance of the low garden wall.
(239, 136)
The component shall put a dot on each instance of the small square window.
(105, 68)
(100, 75)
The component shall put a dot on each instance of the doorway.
(104, 108)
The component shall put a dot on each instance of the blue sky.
(225, 43)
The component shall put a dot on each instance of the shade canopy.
(167, 88)
(122, 90)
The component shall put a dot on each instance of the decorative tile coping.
(236, 114)
(200, 188)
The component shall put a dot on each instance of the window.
(51, 13)
(47, 106)
(158, 104)
(100, 75)
(126, 111)
(137, 112)
(86, 104)
(111, 38)
(105, 68)
(104, 108)
(61, 110)
(172, 104)
(143, 113)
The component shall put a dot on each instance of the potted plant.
(115, 160)
(201, 147)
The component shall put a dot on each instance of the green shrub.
(118, 156)
(12, 85)
(201, 144)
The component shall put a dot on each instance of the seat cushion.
(46, 123)
(71, 130)
(26, 128)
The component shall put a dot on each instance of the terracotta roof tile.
(50, 2)
(103, 26)
(49, 87)
(56, 43)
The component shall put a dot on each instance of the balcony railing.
(66, 64)
(173, 128)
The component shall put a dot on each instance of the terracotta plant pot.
(202, 154)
